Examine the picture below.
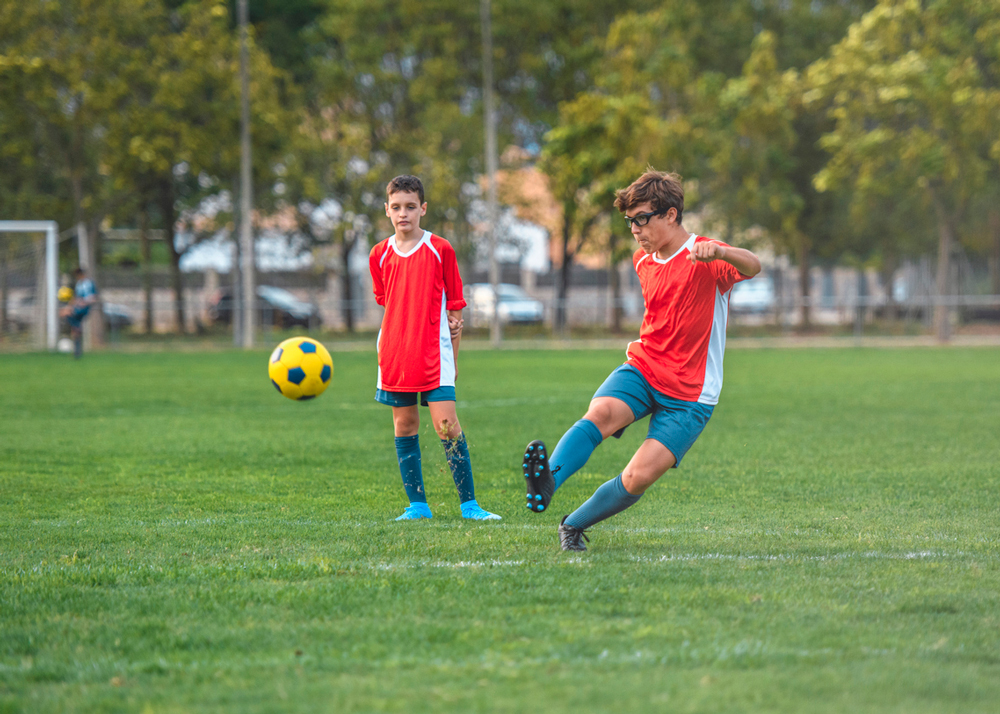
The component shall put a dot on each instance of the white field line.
(585, 561)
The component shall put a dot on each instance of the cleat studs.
(540, 508)
(538, 497)
(529, 506)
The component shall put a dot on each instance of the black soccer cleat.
(571, 537)
(537, 476)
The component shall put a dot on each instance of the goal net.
(28, 282)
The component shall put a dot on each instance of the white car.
(516, 306)
(756, 295)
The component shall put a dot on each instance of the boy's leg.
(674, 422)
(456, 450)
(544, 474)
(605, 416)
(651, 461)
(406, 422)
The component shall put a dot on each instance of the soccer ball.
(300, 368)
(65, 293)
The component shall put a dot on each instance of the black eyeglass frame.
(643, 219)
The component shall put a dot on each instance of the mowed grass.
(176, 537)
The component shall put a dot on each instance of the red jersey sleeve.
(726, 275)
(452, 278)
(375, 266)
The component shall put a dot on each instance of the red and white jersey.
(417, 288)
(683, 333)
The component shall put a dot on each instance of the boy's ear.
(423, 209)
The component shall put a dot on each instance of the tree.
(175, 139)
(914, 100)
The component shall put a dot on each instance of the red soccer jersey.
(417, 288)
(683, 333)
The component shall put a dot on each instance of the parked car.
(21, 315)
(755, 295)
(116, 317)
(516, 306)
(276, 307)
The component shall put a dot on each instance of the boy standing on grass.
(415, 277)
(673, 371)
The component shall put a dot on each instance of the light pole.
(249, 295)
(496, 334)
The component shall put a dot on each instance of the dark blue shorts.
(674, 423)
(75, 318)
(409, 399)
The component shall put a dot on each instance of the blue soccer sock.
(457, 452)
(573, 450)
(609, 498)
(408, 453)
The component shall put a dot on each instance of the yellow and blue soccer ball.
(65, 293)
(300, 368)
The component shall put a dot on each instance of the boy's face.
(656, 233)
(404, 210)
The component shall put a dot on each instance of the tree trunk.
(804, 282)
(3, 292)
(147, 268)
(616, 299)
(995, 252)
(346, 288)
(562, 288)
(97, 328)
(942, 323)
(176, 279)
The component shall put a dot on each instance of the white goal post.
(48, 293)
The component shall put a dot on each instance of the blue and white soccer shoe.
(472, 511)
(415, 511)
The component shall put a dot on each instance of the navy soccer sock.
(609, 498)
(457, 452)
(573, 450)
(408, 453)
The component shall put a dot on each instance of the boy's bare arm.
(455, 324)
(741, 259)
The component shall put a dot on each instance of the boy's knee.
(406, 425)
(602, 416)
(447, 428)
(637, 480)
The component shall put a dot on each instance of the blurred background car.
(20, 315)
(516, 306)
(756, 295)
(277, 307)
(116, 317)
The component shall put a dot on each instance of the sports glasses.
(643, 218)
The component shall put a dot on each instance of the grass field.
(176, 537)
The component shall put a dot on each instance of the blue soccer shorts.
(674, 423)
(75, 318)
(409, 399)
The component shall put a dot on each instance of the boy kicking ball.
(415, 277)
(674, 370)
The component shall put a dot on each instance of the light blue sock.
(609, 498)
(456, 451)
(573, 450)
(408, 453)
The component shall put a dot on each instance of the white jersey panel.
(712, 386)
(447, 351)
(378, 347)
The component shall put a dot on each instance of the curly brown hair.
(661, 189)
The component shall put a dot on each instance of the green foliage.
(178, 537)
(914, 97)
